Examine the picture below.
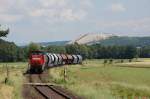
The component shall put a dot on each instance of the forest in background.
(10, 52)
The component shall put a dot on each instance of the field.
(12, 89)
(92, 80)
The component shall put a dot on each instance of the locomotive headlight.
(36, 58)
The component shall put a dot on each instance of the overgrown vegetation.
(12, 89)
(93, 80)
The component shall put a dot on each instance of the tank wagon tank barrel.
(40, 60)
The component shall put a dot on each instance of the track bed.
(49, 92)
(38, 87)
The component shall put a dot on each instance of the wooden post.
(65, 73)
(28, 68)
(7, 74)
(105, 62)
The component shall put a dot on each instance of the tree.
(55, 49)
(34, 47)
(145, 52)
(4, 33)
(8, 51)
(130, 52)
(83, 50)
(78, 49)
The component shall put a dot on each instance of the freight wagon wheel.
(31, 70)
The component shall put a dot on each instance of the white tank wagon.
(75, 59)
(56, 59)
(50, 60)
(80, 59)
(64, 59)
(60, 59)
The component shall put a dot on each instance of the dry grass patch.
(6, 91)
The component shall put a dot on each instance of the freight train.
(40, 60)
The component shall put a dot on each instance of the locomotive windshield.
(37, 52)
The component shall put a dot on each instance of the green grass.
(15, 80)
(16, 65)
(93, 80)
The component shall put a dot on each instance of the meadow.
(94, 79)
(12, 88)
(115, 80)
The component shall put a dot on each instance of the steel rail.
(51, 87)
(59, 92)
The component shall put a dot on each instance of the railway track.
(49, 92)
(46, 90)
(37, 77)
(34, 78)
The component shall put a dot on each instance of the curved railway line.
(46, 90)
(49, 92)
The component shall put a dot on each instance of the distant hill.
(110, 39)
(122, 40)
(57, 43)
(103, 39)
(91, 38)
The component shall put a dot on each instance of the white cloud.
(59, 15)
(37, 12)
(86, 3)
(10, 17)
(50, 3)
(5, 5)
(117, 7)
(135, 25)
(59, 10)
(68, 14)
(6, 15)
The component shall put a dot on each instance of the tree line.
(9, 52)
(96, 51)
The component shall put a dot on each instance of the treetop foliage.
(4, 33)
(34, 47)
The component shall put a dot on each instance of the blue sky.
(56, 20)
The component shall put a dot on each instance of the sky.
(57, 20)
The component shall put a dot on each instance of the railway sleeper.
(51, 87)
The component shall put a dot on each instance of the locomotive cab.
(37, 60)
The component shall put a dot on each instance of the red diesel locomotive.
(39, 60)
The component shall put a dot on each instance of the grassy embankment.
(12, 89)
(94, 80)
